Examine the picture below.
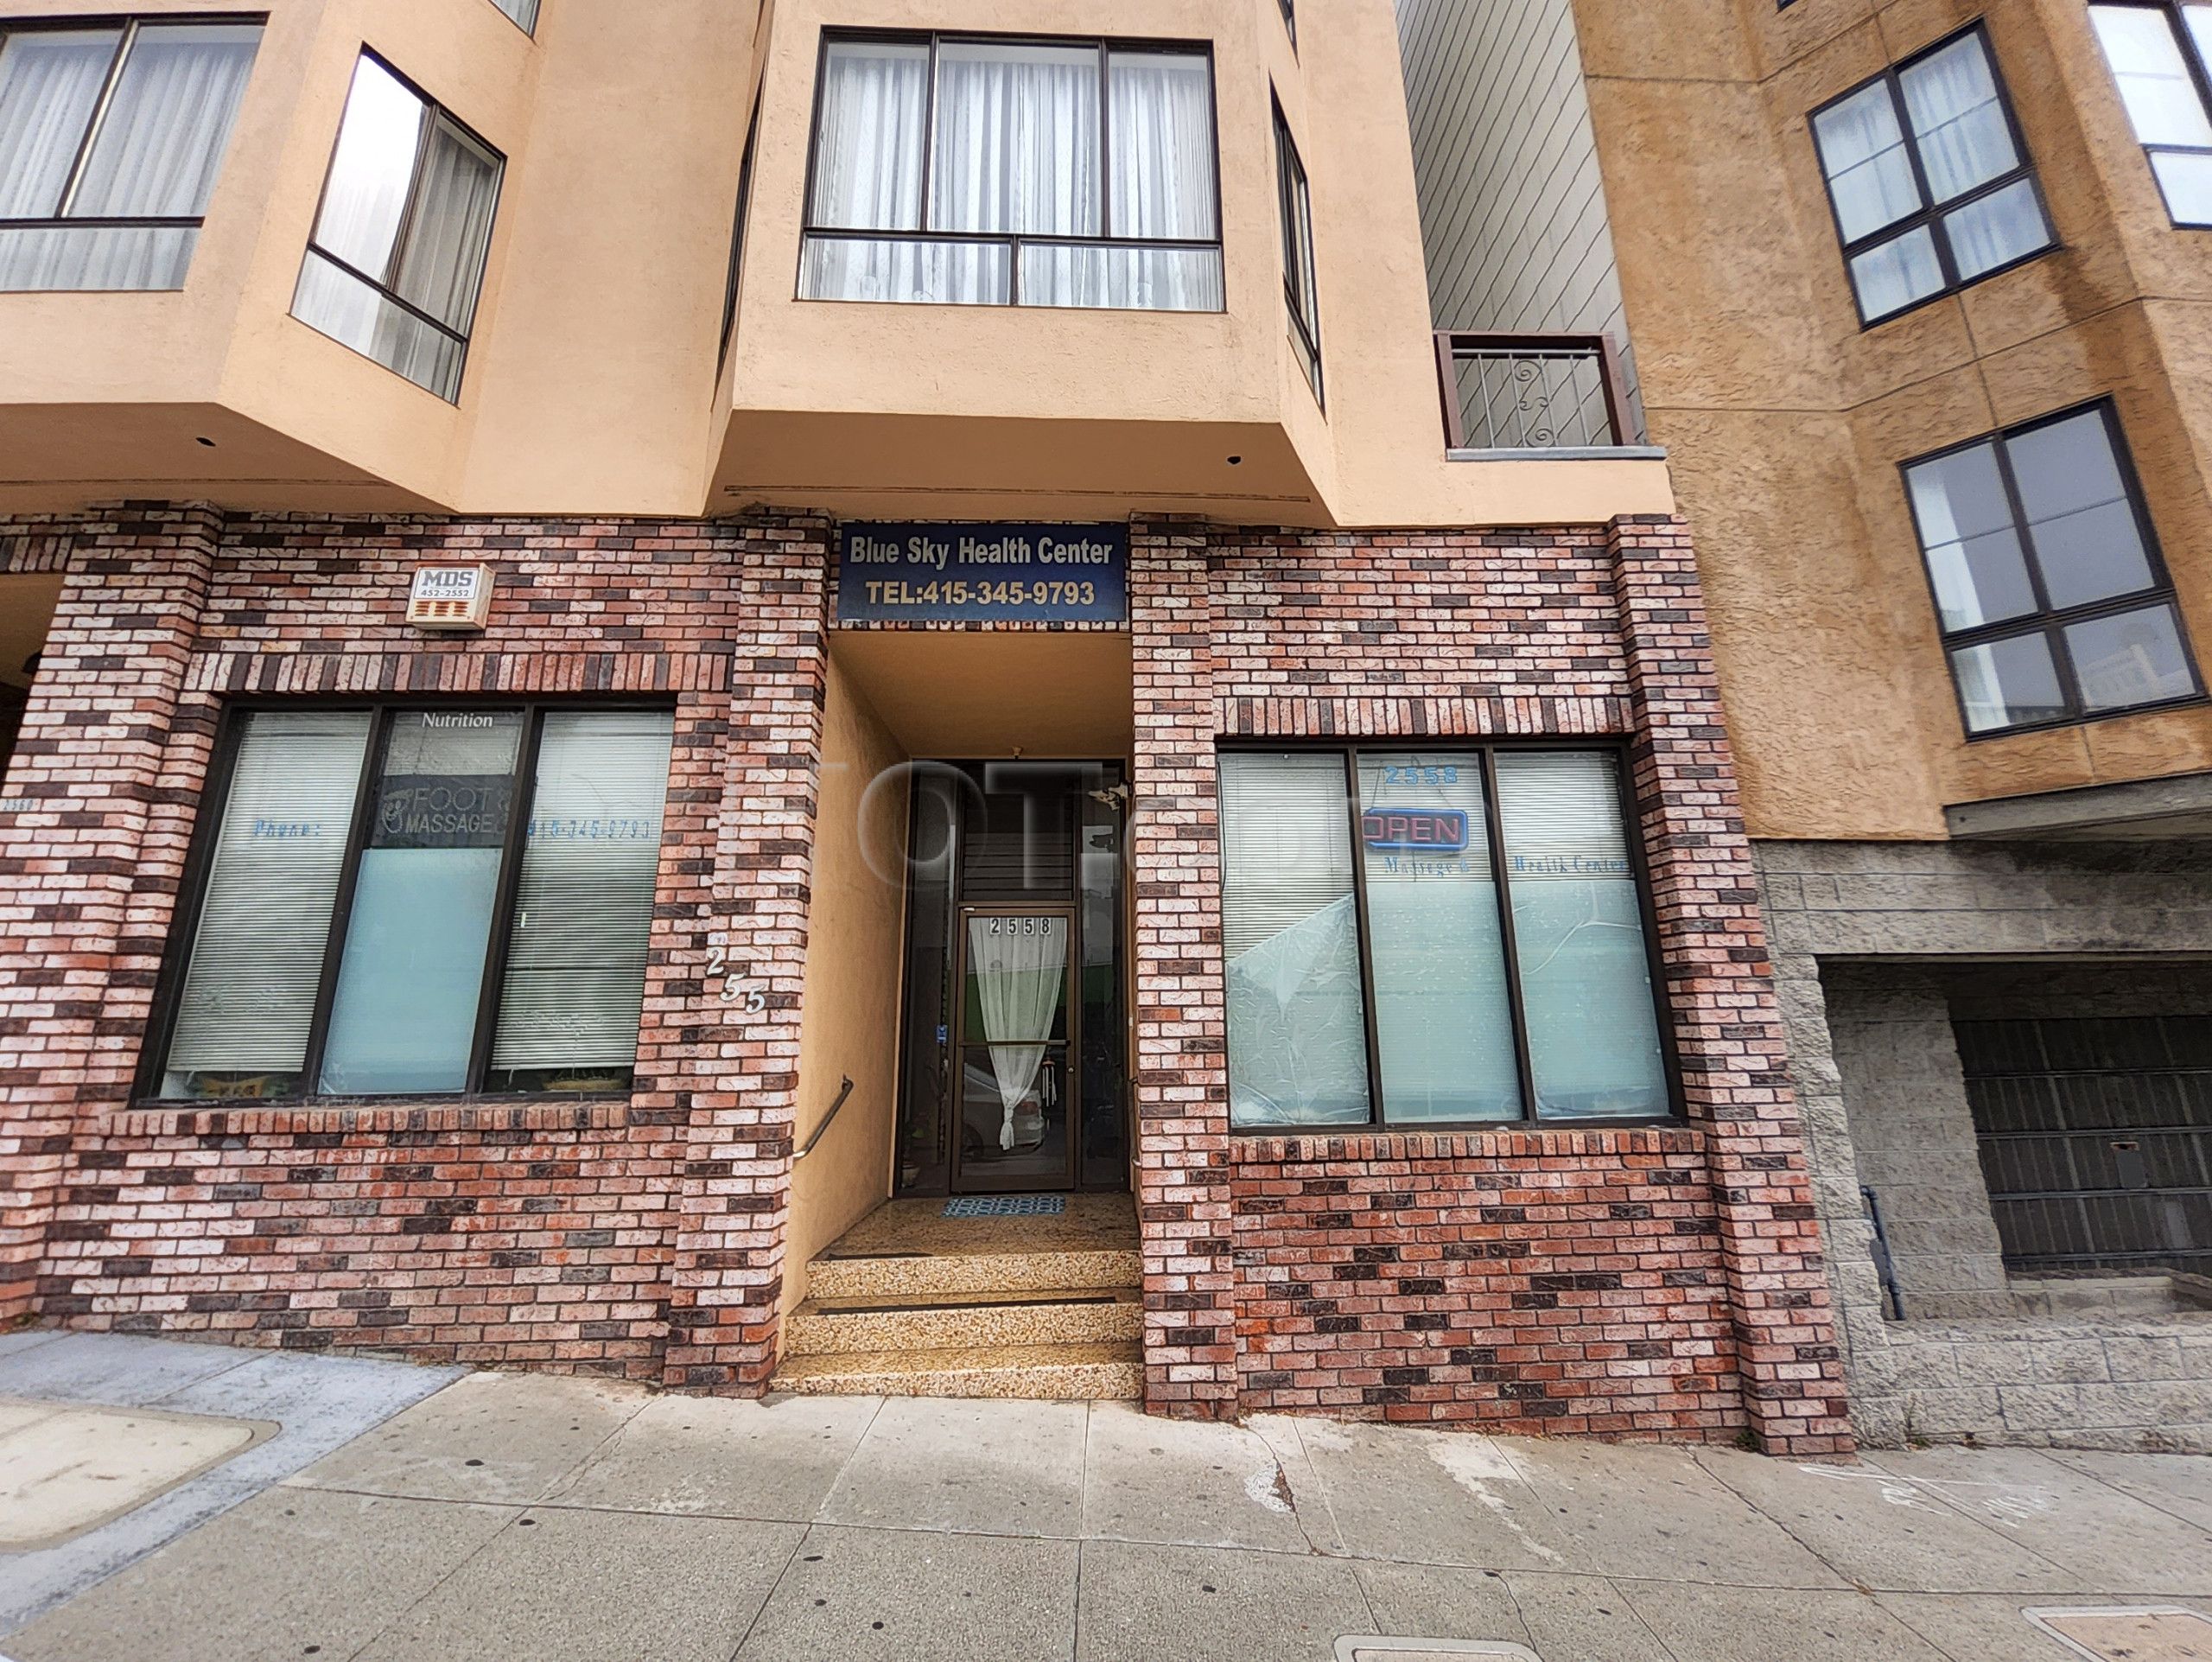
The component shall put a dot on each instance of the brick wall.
(639, 1237)
(1647, 1283)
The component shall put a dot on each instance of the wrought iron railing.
(1532, 392)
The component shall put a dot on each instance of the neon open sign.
(1426, 831)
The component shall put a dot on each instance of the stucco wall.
(1786, 422)
(854, 971)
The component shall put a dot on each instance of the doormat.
(1006, 1206)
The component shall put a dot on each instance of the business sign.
(450, 597)
(1421, 830)
(905, 572)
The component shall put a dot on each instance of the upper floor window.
(524, 12)
(1479, 955)
(1031, 173)
(1294, 206)
(111, 138)
(2159, 56)
(410, 901)
(396, 260)
(1290, 19)
(1931, 183)
(737, 236)
(2054, 604)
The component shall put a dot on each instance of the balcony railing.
(1532, 392)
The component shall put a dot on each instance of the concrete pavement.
(526, 1517)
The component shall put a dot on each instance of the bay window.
(987, 171)
(1930, 185)
(1443, 936)
(2159, 56)
(111, 140)
(408, 902)
(397, 261)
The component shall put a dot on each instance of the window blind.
(576, 970)
(257, 957)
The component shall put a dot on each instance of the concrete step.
(887, 1277)
(1039, 1373)
(964, 1320)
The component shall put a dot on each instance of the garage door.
(2096, 1139)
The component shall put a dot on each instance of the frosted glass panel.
(1290, 934)
(1578, 925)
(410, 983)
(1443, 1018)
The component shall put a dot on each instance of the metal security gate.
(2095, 1135)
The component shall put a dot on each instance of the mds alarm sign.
(912, 572)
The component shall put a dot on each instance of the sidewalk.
(526, 1518)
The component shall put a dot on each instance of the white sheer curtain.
(1020, 969)
(1951, 100)
(440, 269)
(1015, 150)
(1862, 152)
(49, 84)
(156, 155)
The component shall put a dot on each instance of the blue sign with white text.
(913, 572)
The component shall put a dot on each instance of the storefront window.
(1404, 982)
(473, 917)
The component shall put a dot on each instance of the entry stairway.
(913, 1303)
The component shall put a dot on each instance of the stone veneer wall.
(640, 1237)
(2123, 1381)
(1651, 1283)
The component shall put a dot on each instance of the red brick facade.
(1655, 1281)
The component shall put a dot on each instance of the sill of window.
(1264, 1145)
(2090, 718)
(248, 1118)
(1565, 452)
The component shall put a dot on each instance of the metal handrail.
(1454, 345)
(846, 1091)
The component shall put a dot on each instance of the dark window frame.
(1290, 21)
(736, 282)
(1930, 213)
(2045, 620)
(1106, 46)
(131, 24)
(1300, 261)
(2200, 76)
(1486, 752)
(536, 10)
(215, 800)
(433, 112)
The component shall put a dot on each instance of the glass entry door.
(1017, 1013)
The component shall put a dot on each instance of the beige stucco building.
(1918, 296)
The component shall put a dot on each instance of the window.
(1290, 20)
(2052, 600)
(400, 240)
(2159, 54)
(111, 138)
(997, 172)
(524, 12)
(1386, 982)
(737, 236)
(410, 902)
(1930, 184)
(1295, 207)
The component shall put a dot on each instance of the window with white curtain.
(524, 12)
(1930, 185)
(1434, 937)
(1295, 208)
(111, 139)
(2161, 55)
(396, 260)
(2054, 604)
(958, 171)
(408, 902)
